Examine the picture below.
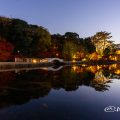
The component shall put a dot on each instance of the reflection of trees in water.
(100, 82)
(112, 71)
(5, 78)
(115, 71)
(25, 85)
(95, 79)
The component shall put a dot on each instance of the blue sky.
(86, 17)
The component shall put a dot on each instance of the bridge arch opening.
(56, 60)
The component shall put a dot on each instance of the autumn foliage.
(6, 50)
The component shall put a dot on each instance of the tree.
(28, 40)
(57, 41)
(41, 41)
(56, 47)
(71, 35)
(6, 50)
(15, 31)
(101, 40)
(110, 50)
(107, 51)
(88, 45)
(69, 49)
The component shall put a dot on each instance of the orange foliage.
(94, 56)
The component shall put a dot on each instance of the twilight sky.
(86, 17)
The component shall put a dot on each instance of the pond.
(61, 93)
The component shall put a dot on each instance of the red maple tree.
(6, 49)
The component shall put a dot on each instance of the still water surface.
(60, 93)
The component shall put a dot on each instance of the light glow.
(34, 61)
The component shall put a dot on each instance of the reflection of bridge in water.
(76, 68)
(54, 68)
(51, 68)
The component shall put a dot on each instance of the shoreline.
(9, 65)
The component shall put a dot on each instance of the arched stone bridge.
(54, 59)
(38, 60)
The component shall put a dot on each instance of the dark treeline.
(18, 38)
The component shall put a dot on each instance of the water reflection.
(21, 86)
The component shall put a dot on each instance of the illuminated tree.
(101, 41)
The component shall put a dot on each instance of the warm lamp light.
(34, 61)
(57, 54)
